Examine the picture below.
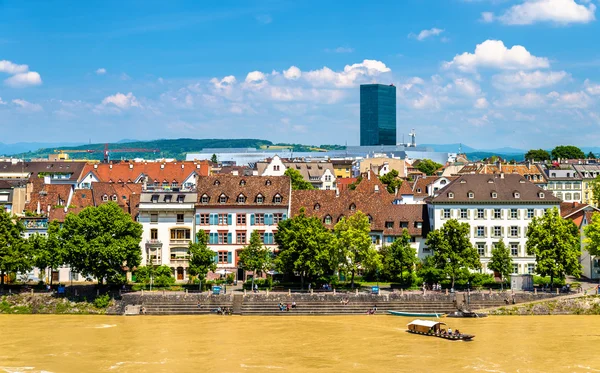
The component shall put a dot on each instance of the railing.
(169, 188)
(180, 261)
(154, 261)
(153, 242)
(178, 241)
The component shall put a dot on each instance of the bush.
(545, 281)
(263, 283)
(161, 276)
(102, 301)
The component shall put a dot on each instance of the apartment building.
(588, 173)
(563, 181)
(321, 174)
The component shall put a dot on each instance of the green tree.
(428, 167)
(47, 250)
(399, 257)
(452, 248)
(201, 257)
(501, 260)
(592, 235)
(391, 181)
(161, 276)
(428, 271)
(567, 152)
(352, 186)
(102, 242)
(595, 186)
(355, 246)
(306, 247)
(298, 182)
(255, 257)
(214, 159)
(591, 155)
(555, 242)
(537, 155)
(15, 253)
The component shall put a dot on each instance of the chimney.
(501, 175)
(110, 166)
(131, 166)
(337, 192)
(396, 191)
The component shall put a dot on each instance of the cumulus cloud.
(27, 106)
(528, 100)
(101, 71)
(122, 101)
(340, 50)
(494, 54)
(591, 88)
(2, 102)
(524, 80)
(487, 17)
(555, 11)
(579, 100)
(481, 103)
(21, 76)
(424, 34)
(349, 77)
(467, 86)
(292, 73)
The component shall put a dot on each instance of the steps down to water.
(352, 308)
(182, 308)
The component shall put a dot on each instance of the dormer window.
(204, 199)
(352, 207)
(104, 198)
(317, 207)
(154, 198)
(462, 181)
(180, 199)
(339, 219)
(450, 195)
(370, 219)
(277, 198)
(259, 198)
(168, 198)
(217, 182)
(494, 195)
(443, 182)
(517, 195)
(541, 195)
(471, 195)
(418, 190)
(490, 181)
(241, 199)
(523, 181)
(327, 219)
(222, 198)
(268, 182)
(242, 182)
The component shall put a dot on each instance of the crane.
(107, 151)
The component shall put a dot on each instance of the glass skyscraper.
(377, 114)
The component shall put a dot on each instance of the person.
(294, 304)
(374, 308)
(143, 310)
(309, 286)
(256, 288)
(345, 301)
(287, 307)
(457, 332)
(199, 304)
(450, 331)
(219, 310)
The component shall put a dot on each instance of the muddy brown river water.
(36, 343)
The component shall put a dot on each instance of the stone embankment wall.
(45, 304)
(586, 305)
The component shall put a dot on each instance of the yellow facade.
(342, 168)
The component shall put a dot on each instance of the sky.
(487, 73)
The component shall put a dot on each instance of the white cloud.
(424, 34)
(340, 50)
(292, 73)
(556, 11)
(27, 106)
(577, 100)
(426, 101)
(349, 77)
(121, 100)
(12, 68)
(101, 71)
(487, 17)
(223, 83)
(2, 102)
(524, 80)
(479, 122)
(528, 100)
(481, 103)
(467, 86)
(493, 54)
(256, 80)
(20, 80)
(591, 88)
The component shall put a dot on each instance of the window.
(203, 219)
(154, 234)
(403, 224)
(517, 195)
(223, 256)
(446, 214)
(327, 177)
(514, 249)
(530, 268)
(259, 198)
(463, 213)
(168, 198)
(494, 195)
(370, 219)
(471, 195)
(450, 195)
(180, 234)
(153, 218)
(352, 207)
(327, 219)
(576, 196)
(541, 195)
(267, 238)
(481, 249)
(277, 198)
(241, 219)
(317, 207)
(222, 198)
(222, 238)
(515, 268)
(222, 219)
(480, 214)
(114, 197)
(242, 182)
(180, 218)
(530, 213)
(105, 198)
(240, 237)
(418, 225)
(277, 218)
(268, 182)
(480, 231)
(216, 182)
(259, 219)
(514, 213)
(180, 199)
(241, 199)
(390, 239)
(514, 231)
(568, 196)
(204, 198)
(497, 231)
(389, 224)
(497, 214)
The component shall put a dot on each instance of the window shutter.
(252, 220)
(270, 219)
(468, 213)
(216, 257)
(214, 219)
(284, 216)
(229, 257)
(518, 231)
(485, 213)
(502, 231)
(229, 239)
(229, 219)
(197, 219)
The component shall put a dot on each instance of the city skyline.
(486, 73)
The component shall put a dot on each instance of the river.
(36, 343)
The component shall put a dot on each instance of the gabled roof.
(38, 168)
(568, 209)
(231, 186)
(405, 189)
(127, 172)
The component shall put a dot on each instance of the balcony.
(180, 241)
(180, 261)
(153, 243)
(154, 261)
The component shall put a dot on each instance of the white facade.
(320, 174)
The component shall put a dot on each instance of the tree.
(47, 250)
(595, 186)
(592, 234)
(537, 155)
(102, 242)
(214, 159)
(567, 152)
(298, 182)
(555, 243)
(591, 155)
(352, 186)
(354, 244)
(453, 251)
(428, 167)
(15, 253)
(306, 247)
(399, 257)
(160, 276)
(391, 181)
(255, 257)
(201, 257)
(501, 261)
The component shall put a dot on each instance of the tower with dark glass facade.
(377, 114)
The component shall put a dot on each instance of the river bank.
(583, 305)
(48, 304)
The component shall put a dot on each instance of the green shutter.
(252, 220)
(229, 219)
(229, 257)
(216, 257)
(284, 216)
(197, 219)
(229, 239)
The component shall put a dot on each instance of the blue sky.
(487, 73)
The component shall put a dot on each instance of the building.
(496, 207)
(388, 219)
(6, 196)
(588, 173)
(377, 114)
(168, 221)
(342, 168)
(382, 165)
(581, 215)
(229, 208)
(528, 170)
(428, 186)
(320, 174)
(563, 181)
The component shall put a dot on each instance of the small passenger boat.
(434, 329)
(466, 314)
(414, 314)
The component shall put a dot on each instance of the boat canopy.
(426, 323)
(425, 326)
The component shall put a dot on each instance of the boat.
(434, 329)
(466, 314)
(415, 314)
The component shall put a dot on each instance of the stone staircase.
(182, 307)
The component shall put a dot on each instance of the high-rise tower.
(377, 114)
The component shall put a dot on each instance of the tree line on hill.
(559, 152)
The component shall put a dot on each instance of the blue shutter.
(270, 219)
(229, 257)
(214, 238)
(229, 219)
(229, 239)
(213, 219)
(197, 219)
(252, 220)
(216, 257)
(265, 238)
(284, 216)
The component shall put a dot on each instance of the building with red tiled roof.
(344, 183)
(581, 215)
(428, 186)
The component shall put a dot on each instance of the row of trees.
(561, 151)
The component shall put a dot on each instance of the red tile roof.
(250, 187)
(157, 172)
